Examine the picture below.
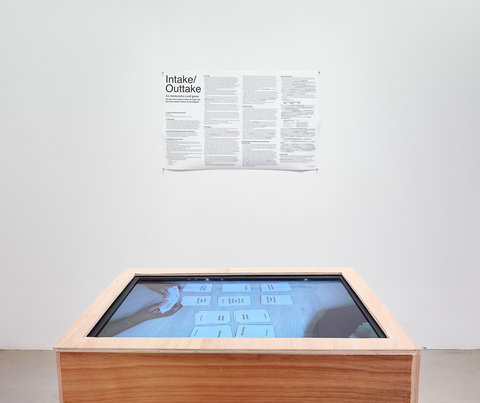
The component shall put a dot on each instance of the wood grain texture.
(59, 376)
(134, 377)
(415, 377)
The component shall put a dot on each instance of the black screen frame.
(234, 277)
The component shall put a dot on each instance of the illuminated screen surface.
(267, 307)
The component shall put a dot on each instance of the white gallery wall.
(396, 197)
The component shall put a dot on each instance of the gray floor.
(445, 376)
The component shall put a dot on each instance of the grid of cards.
(253, 323)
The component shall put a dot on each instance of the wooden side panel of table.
(151, 377)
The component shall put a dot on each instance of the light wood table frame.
(148, 369)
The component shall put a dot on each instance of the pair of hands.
(117, 326)
(154, 311)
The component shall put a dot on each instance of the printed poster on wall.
(240, 120)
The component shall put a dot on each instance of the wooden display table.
(285, 349)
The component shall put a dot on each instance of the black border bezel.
(234, 277)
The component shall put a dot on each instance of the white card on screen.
(234, 300)
(197, 288)
(188, 300)
(252, 316)
(276, 300)
(276, 287)
(255, 331)
(236, 287)
(212, 331)
(212, 317)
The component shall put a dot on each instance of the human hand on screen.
(155, 311)
(167, 307)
